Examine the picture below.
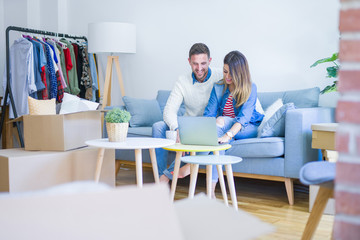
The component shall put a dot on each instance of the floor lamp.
(112, 37)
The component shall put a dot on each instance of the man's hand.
(224, 139)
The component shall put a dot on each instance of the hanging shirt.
(79, 66)
(51, 72)
(37, 71)
(39, 76)
(86, 78)
(72, 73)
(93, 75)
(22, 79)
(44, 93)
(63, 64)
(58, 62)
(69, 66)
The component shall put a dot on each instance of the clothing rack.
(8, 92)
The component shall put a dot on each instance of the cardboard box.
(22, 170)
(323, 135)
(61, 132)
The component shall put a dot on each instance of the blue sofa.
(276, 158)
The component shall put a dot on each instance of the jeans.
(159, 131)
(215, 175)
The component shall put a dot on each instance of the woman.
(233, 101)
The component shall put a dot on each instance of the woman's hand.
(224, 139)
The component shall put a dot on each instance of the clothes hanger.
(23, 35)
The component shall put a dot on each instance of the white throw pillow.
(271, 110)
(258, 107)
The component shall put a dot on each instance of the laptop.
(198, 131)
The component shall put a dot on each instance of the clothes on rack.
(93, 70)
(21, 54)
(45, 68)
(73, 86)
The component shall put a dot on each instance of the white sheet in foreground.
(204, 218)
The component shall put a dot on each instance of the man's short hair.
(199, 48)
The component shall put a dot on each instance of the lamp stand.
(107, 88)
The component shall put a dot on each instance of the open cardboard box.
(60, 132)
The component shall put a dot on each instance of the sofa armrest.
(298, 136)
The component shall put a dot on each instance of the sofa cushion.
(268, 98)
(162, 97)
(304, 98)
(140, 132)
(275, 126)
(144, 112)
(257, 147)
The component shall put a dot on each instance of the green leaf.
(324, 60)
(332, 88)
(332, 71)
(117, 115)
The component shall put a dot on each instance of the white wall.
(280, 38)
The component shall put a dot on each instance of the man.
(194, 90)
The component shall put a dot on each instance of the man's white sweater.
(195, 96)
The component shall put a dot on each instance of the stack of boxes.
(55, 153)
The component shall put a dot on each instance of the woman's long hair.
(239, 71)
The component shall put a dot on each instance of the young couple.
(228, 95)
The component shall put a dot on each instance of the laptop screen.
(198, 131)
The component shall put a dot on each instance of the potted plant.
(117, 124)
(332, 72)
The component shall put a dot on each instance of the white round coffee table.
(219, 161)
(131, 143)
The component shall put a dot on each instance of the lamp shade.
(112, 37)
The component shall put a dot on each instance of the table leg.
(99, 163)
(193, 178)
(221, 180)
(209, 180)
(321, 200)
(138, 161)
(154, 164)
(230, 178)
(175, 176)
(222, 184)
